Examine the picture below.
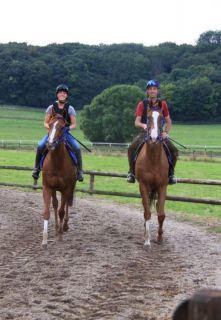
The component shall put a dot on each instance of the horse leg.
(69, 201)
(55, 206)
(161, 212)
(46, 215)
(144, 191)
(61, 213)
(66, 218)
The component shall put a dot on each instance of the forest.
(190, 75)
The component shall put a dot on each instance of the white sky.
(41, 22)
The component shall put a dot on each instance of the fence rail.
(91, 189)
(193, 151)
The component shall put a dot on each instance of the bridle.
(154, 128)
(52, 145)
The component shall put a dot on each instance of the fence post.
(205, 154)
(91, 188)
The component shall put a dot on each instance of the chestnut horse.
(58, 174)
(151, 171)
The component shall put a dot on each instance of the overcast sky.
(41, 22)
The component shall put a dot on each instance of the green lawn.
(20, 123)
(208, 134)
(27, 123)
(185, 169)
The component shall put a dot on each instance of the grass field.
(27, 123)
(185, 169)
(20, 123)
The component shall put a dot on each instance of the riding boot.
(174, 156)
(131, 152)
(172, 178)
(37, 169)
(131, 172)
(79, 161)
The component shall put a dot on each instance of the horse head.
(155, 122)
(56, 131)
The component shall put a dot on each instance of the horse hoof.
(44, 246)
(159, 240)
(147, 245)
(65, 227)
(59, 237)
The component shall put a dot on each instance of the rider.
(152, 90)
(60, 106)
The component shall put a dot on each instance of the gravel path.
(100, 270)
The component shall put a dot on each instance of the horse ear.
(52, 119)
(181, 312)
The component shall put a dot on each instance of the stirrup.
(35, 184)
(130, 177)
(80, 177)
(36, 173)
(172, 179)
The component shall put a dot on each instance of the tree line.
(190, 75)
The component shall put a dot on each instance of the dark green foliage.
(190, 75)
(110, 117)
(210, 38)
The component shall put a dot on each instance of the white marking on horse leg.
(52, 134)
(147, 233)
(46, 225)
(45, 233)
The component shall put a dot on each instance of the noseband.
(53, 145)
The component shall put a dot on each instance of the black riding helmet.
(62, 87)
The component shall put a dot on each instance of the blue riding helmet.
(153, 83)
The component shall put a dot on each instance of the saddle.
(70, 152)
(166, 149)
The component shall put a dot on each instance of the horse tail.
(152, 196)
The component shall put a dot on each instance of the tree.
(193, 100)
(110, 117)
(210, 38)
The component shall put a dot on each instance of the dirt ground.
(100, 270)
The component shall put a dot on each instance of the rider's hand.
(165, 135)
(145, 126)
(66, 129)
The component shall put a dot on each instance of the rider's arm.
(168, 124)
(139, 124)
(138, 114)
(167, 127)
(73, 122)
(47, 120)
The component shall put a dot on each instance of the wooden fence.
(91, 189)
(193, 151)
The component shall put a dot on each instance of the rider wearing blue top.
(67, 111)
